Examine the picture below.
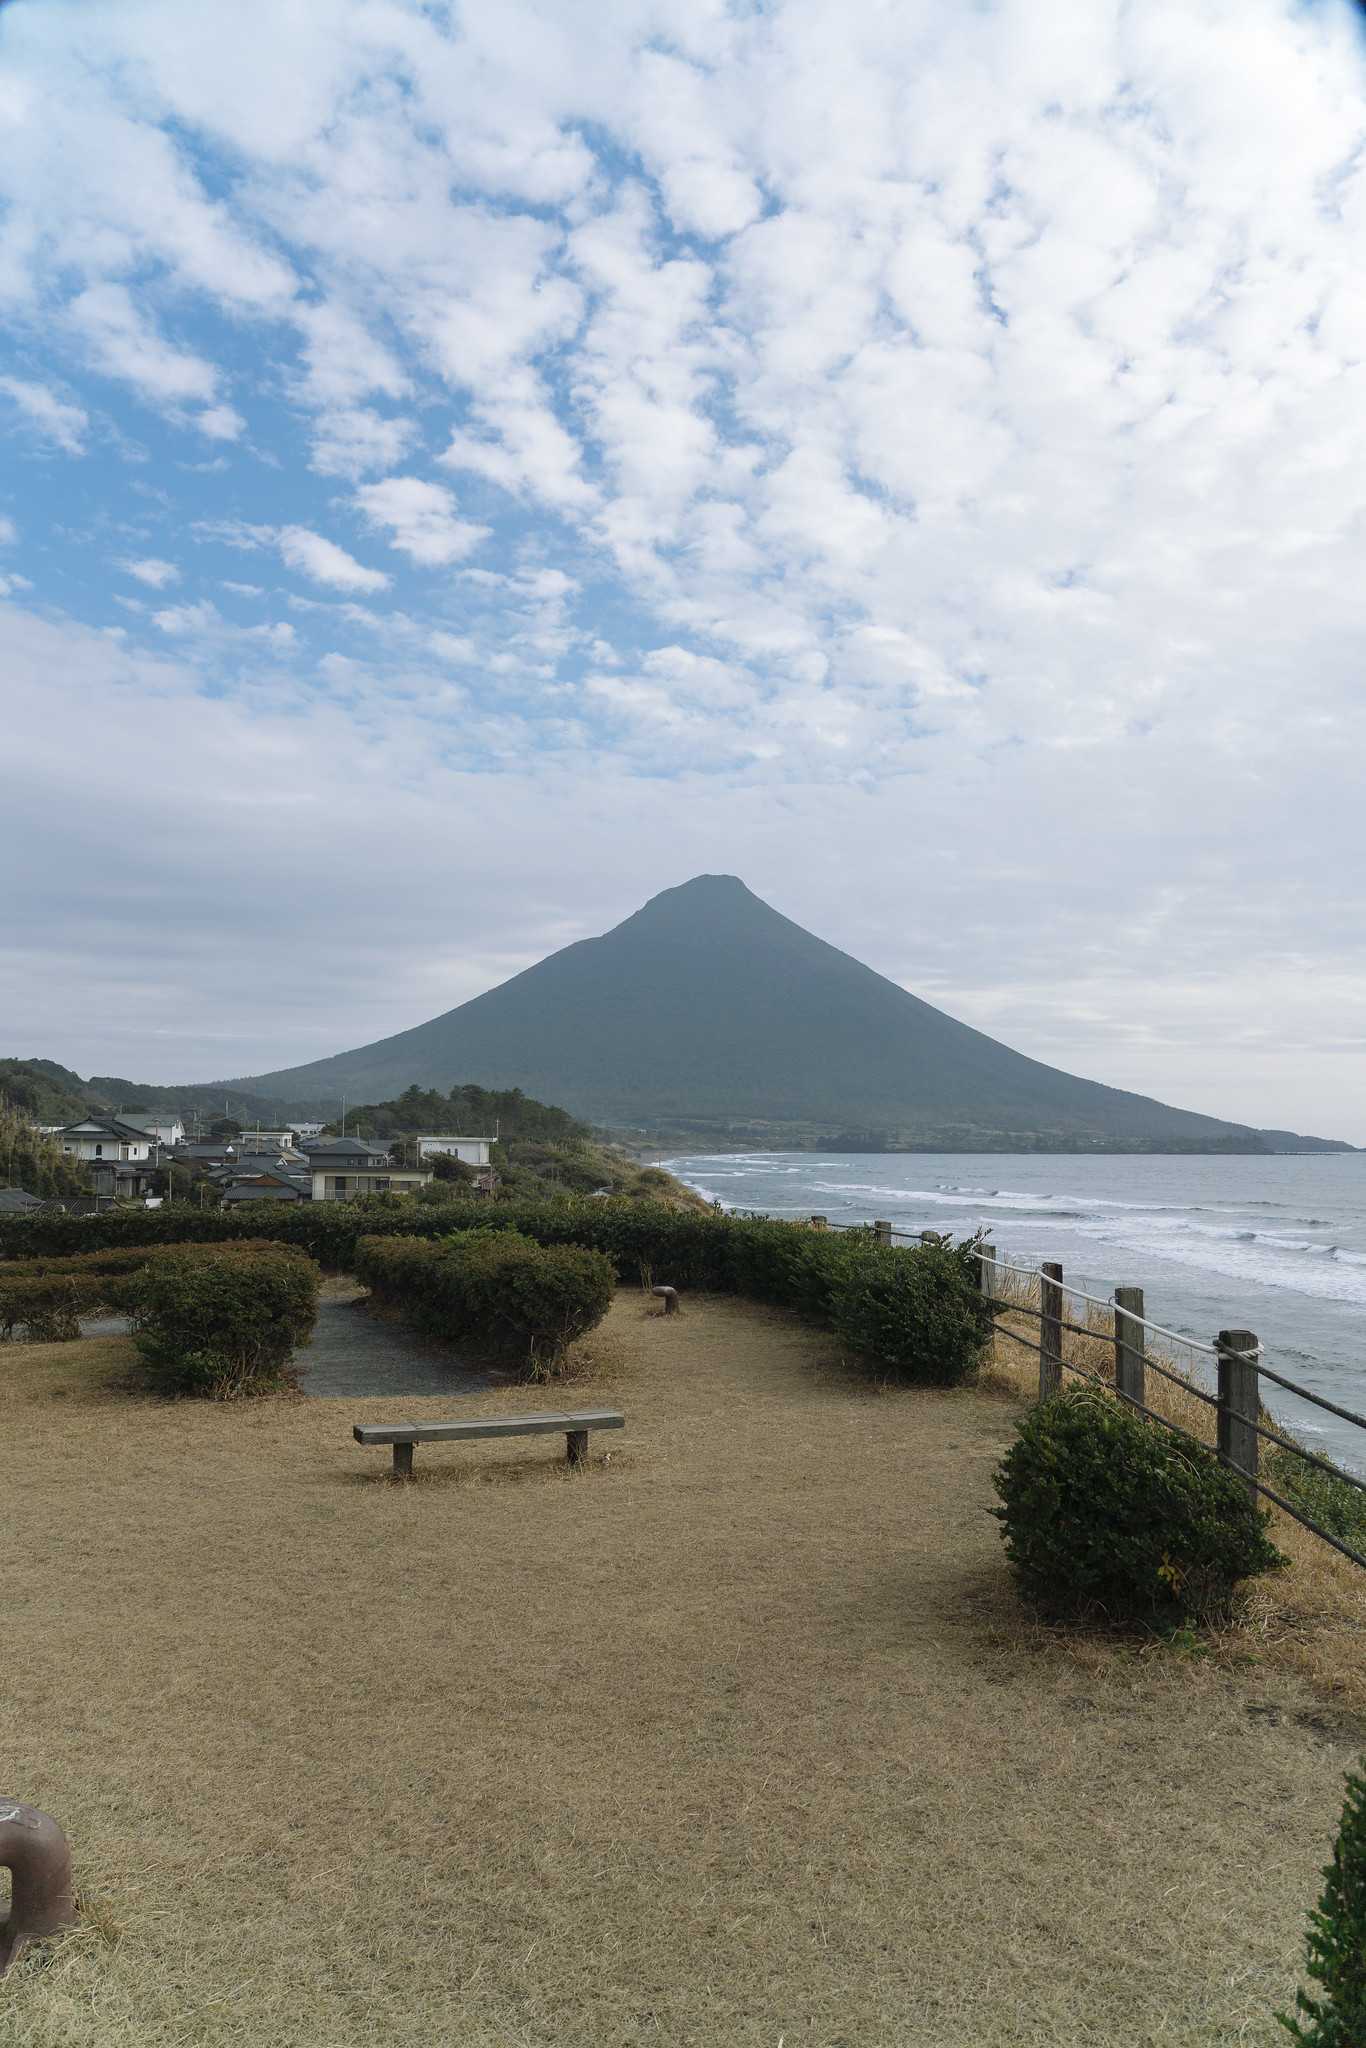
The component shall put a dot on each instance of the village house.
(104, 1137)
(474, 1151)
(343, 1167)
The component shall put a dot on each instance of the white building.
(474, 1151)
(104, 1137)
(165, 1129)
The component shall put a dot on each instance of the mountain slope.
(708, 1006)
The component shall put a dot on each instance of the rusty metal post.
(670, 1299)
(34, 1851)
(1239, 1403)
(1050, 1330)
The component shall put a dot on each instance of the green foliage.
(494, 1289)
(36, 1164)
(223, 1319)
(1106, 1514)
(225, 1127)
(927, 1317)
(468, 1110)
(1338, 1507)
(445, 1166)
(54, 1097)
(49, 1296)
(1337, 1939)
(920, 1317)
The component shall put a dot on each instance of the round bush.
(917, 1316)
(1107, 1515)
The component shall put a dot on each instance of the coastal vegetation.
(1107, 1516)
(493, 1290)
(1337, 1939)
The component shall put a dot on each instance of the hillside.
(708, 1011)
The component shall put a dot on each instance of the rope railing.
(1241, 1420)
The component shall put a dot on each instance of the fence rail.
(1241, 1421)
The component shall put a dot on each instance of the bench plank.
(486, 1426)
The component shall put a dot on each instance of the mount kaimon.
(708, 1012)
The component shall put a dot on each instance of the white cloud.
(422, 518)
(220, 423)
(125, 344)
(50, 415)
(325, 562)
(152, 571)
(350, 443)
(933, 432)
(9, 532)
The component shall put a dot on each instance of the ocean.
(1275, 1245)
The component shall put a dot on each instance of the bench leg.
(576, 1445)
(403, 1461)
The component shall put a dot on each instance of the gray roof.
(95, 1126)
(17, 1202)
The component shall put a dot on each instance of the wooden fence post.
(1050, 1330)
(1239, 1402)
(882, 1232)
(818, 1223)
(986, 1266)
(1129, 1362)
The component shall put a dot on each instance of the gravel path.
(355, 1356)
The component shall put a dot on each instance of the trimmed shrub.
(223, 1319)
(920, 1317)
(925, 1319)
(49, 1296)
(1337, 1939)
(1107, 1515)
(493, 1289)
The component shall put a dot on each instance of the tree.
(1337, 1938)
(225, 1127)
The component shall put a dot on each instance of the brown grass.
(738, 1739)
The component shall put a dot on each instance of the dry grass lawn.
(739, 1738)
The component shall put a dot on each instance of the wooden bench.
(403, 1435)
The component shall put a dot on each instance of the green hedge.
(223, 1319)
(210, 1318)
(50, 1295)
(493, 1289)
(1108, 1515)
(925, 1318)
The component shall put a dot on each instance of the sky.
(468, 468)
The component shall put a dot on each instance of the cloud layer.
(910, 457)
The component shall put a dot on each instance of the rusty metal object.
(670, 1299)
(34, 1851)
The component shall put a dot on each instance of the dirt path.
(735, 1739)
